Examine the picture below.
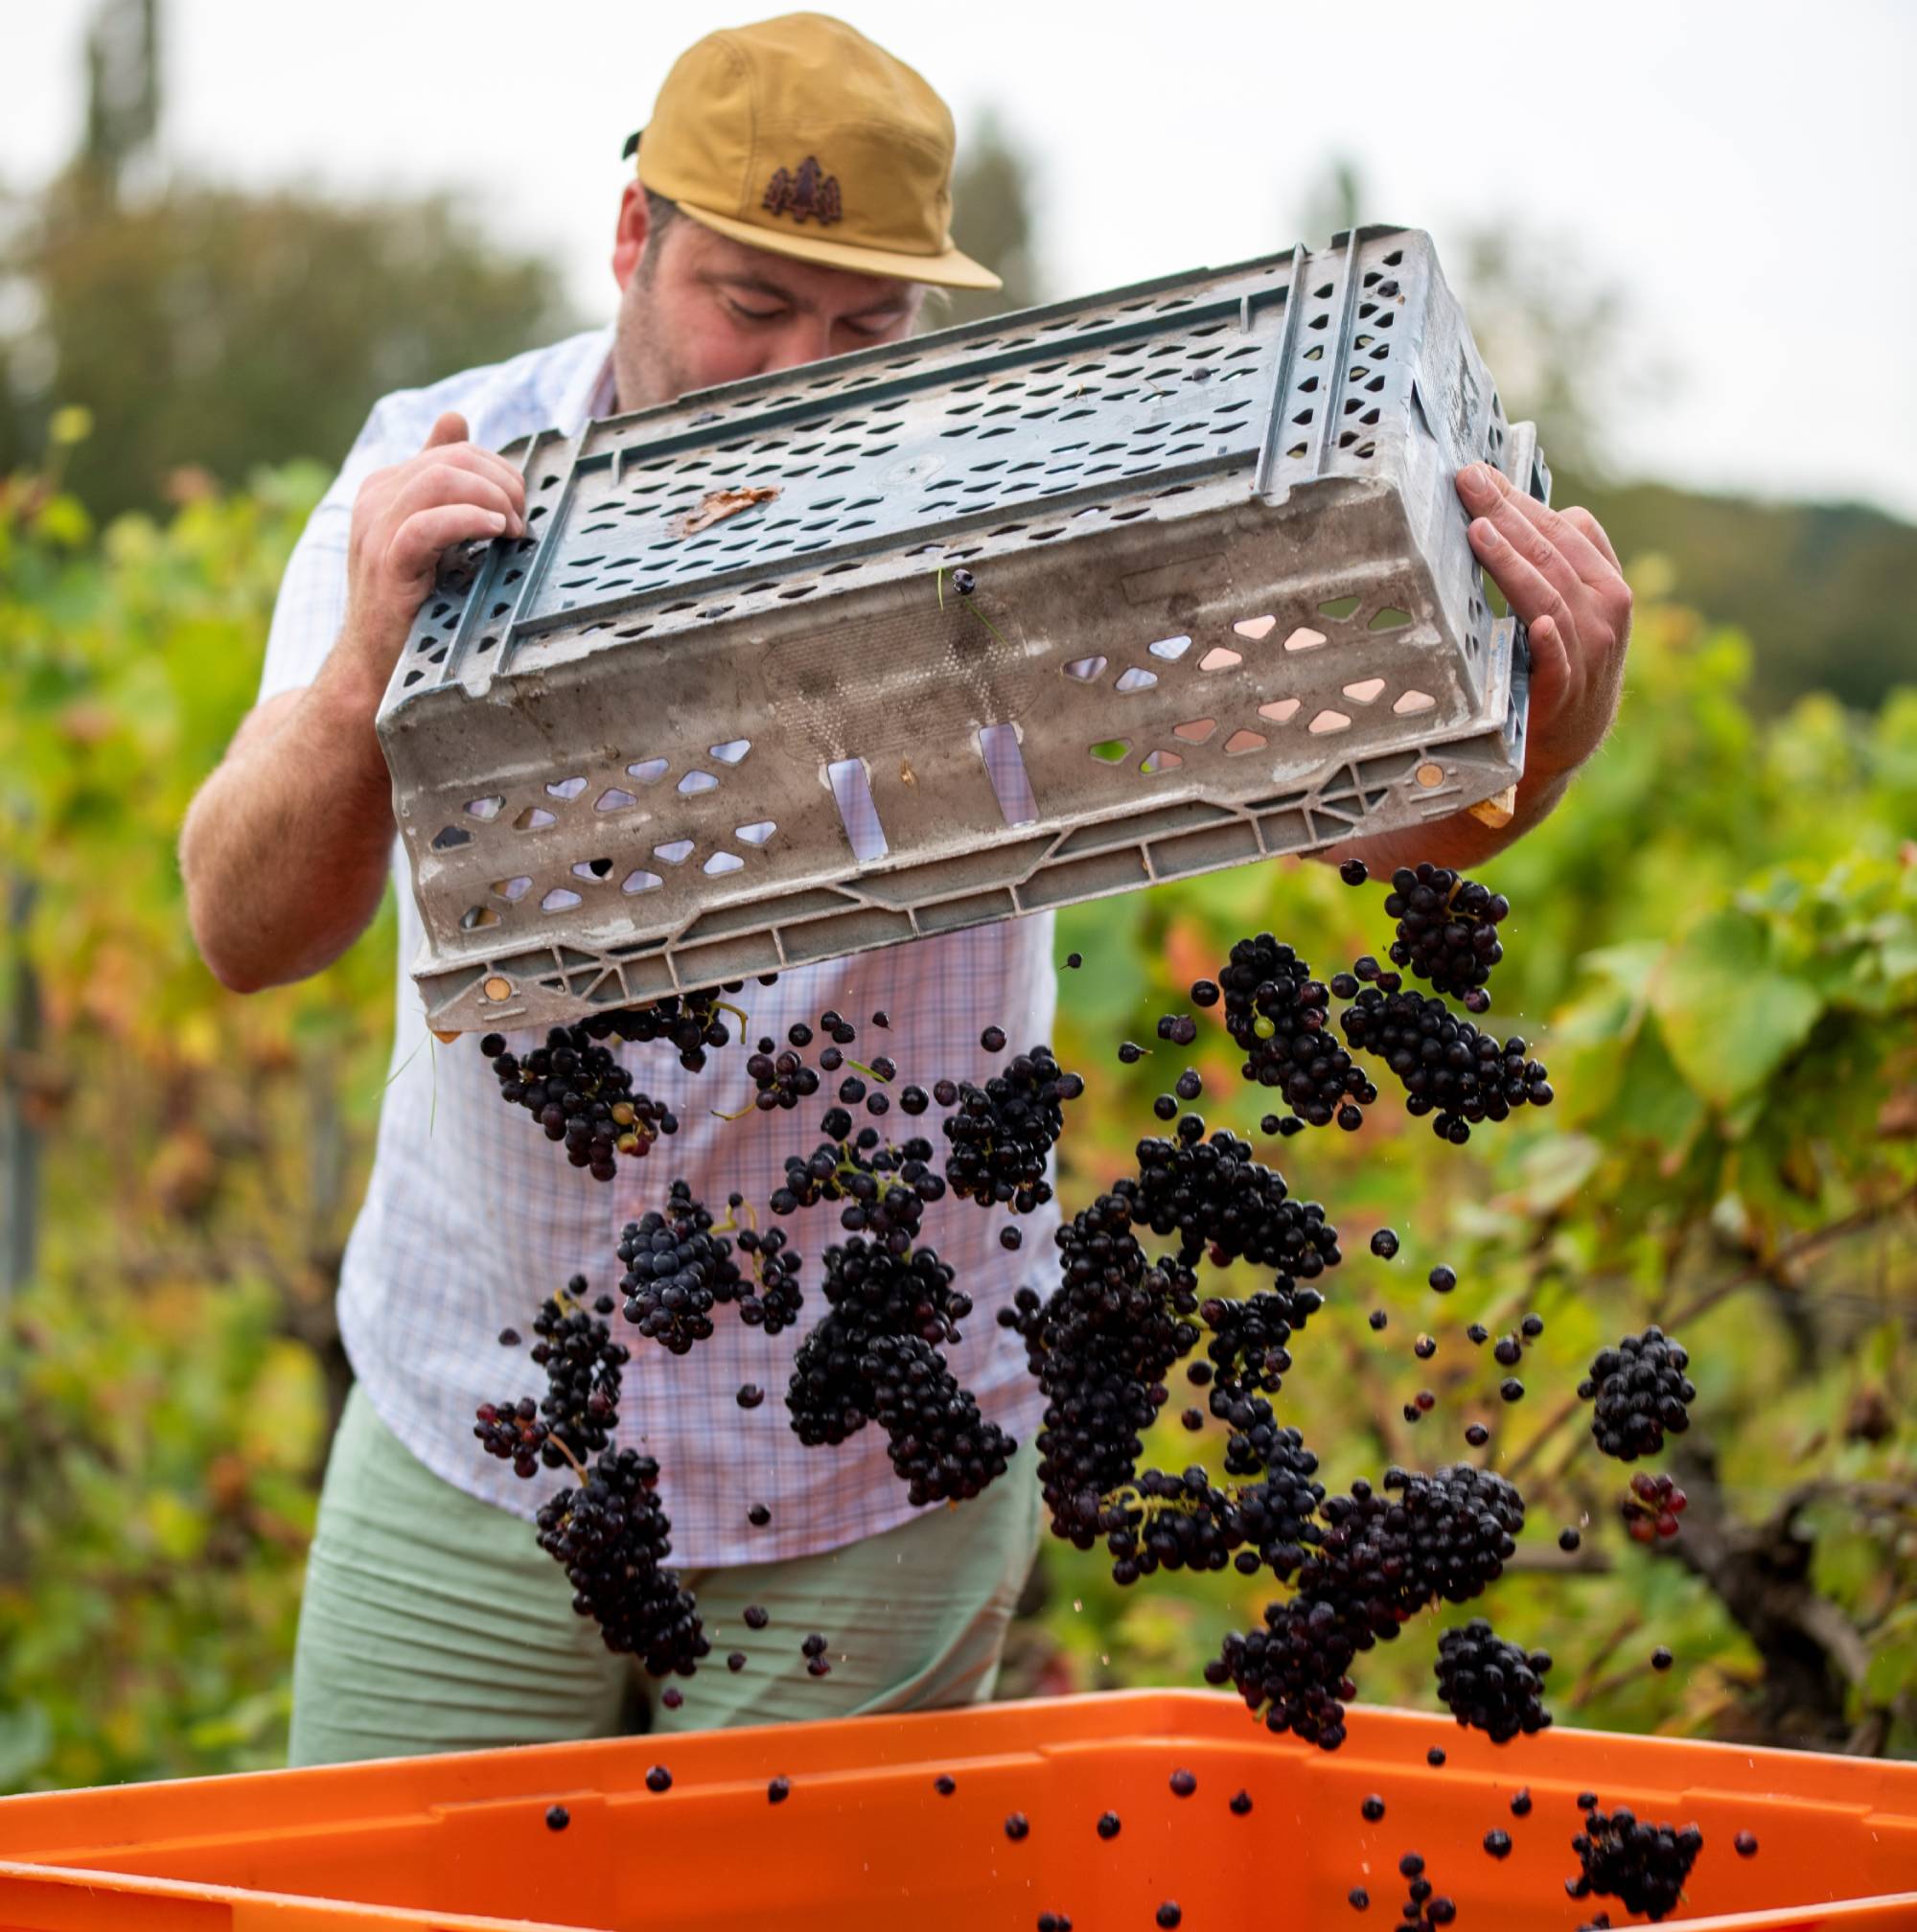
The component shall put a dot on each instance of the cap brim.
(949, 270)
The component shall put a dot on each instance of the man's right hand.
(404, 516)
(285, 848)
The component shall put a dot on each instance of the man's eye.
(739, 308)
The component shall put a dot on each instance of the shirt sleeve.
(312, 602)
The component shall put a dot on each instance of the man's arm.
(284, 849)
(1560, 576)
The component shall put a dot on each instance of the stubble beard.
(645, 372)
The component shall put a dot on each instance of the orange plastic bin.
(867, 1841)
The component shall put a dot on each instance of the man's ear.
(632, 234)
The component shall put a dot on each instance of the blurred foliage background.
(1715, 947)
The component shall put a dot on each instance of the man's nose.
(804, 338)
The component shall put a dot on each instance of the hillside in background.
(1827, 592)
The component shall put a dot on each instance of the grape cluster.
(1448, 1069)
(1383, 1555)
(1653, 1507)
(1277, 1515)
(676, 1270)
(773, 1301)
(885, 1190)
(939, 1444)
(1420, 1535)
(1446, 930)
(1281, 1015)
(1100, 1347)
(1642, 1865)
(780, 1075)
(1178, 1521)
(581, 1405)
(611, 1537)
(874, 1356)
(1492, 1685)
(580, 1094)
(690, 1021)
(1003, 1132)
(1295, 1669)
(1214, 1195)
(1641, 1392)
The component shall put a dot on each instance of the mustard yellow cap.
(801, 136)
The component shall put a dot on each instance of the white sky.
(1746, 170)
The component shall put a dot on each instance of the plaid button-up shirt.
(471, 1216)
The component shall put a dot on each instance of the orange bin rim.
(865, 1838)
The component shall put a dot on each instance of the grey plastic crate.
(1225, 607)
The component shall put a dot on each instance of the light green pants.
(434, 1622)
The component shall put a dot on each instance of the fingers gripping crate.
(725, 709)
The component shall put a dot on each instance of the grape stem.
(578, 1468)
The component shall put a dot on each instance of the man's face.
(699, 308)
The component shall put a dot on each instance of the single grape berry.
(1443, 1279)
(509, 1338)
(758, 1515)
(1358, 1898)
(1108, 1824)
(1746, 1844)
(1384, 1244)
(1476, 1435)
(993, 1039)
(1169, 1915)
(778, 1790)
(1568, 1539)
(557, 1817)
(1241, 1804)
(944, 1785)
(1435, 1756)
(1511, 1388)
(1498, 1842)
(1424, 1347)
(1378, 1318)
(1661, 1659)
(659, 1778)
(1074, 960)
(1183, 1784)
(1520, 1804)
(1017, 1826)
(1353, 872)
(1010, 1240)
(750, 1395)
(1372, 1808)
(963, 581)
(672, 1696)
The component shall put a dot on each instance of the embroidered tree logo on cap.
(808, 192)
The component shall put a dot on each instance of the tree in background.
(991, 220)
(211, 328)
(1827, 592)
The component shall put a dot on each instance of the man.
(792, 202)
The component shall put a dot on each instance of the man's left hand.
(1560, 576)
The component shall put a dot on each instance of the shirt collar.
(589, 395)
